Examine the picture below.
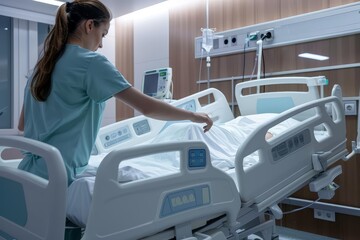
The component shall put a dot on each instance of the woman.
(64, 98)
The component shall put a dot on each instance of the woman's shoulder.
(75, 53)
(74, 50)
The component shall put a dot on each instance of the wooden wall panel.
(185, 25)
(124, 60)
(345, 228)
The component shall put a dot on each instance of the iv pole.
(207, 42)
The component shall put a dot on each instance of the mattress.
(223, 141)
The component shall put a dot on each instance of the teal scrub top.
(70, 118)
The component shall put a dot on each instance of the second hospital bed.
(193, 194)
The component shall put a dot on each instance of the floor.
(291, 234)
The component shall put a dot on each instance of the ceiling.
(118, 7)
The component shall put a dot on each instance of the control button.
(290, 143)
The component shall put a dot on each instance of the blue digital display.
(197, 158)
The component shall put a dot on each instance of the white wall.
(151, 43)
(151, 50)
(108, 51)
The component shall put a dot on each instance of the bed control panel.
(115, 137)
(291, 145)
(196, 159)
(185, 199)
(190, 106)
(141, 127)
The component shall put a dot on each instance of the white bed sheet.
(223, 141)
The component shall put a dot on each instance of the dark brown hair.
(68, 17)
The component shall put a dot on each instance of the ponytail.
(68, 17)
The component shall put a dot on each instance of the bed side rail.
(32, 207)
(276, 102)
(140, 208)
(137, 130)
(287, 159)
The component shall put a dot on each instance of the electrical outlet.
(324, 215)
(350, 107)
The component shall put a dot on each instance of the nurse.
(64, 98)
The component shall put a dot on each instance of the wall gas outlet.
(269, 35)
(324, 215)
(350, 107)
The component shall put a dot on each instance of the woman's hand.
(203, 118)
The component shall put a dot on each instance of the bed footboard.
(286, 160)
(32, 207)
(145, 207)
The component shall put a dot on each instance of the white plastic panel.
(276, 102)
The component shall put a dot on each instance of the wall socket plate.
(324, 215)
(350, 107)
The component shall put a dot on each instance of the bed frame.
(112, 199)
(132, 210)
(225, 204)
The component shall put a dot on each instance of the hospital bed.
(200, 201)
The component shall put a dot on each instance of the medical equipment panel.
(156, 83)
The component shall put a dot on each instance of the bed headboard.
(276, 102)
(32, 207)
(132, 131)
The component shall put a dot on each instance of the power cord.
(302, 208)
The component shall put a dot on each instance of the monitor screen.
(151, 84)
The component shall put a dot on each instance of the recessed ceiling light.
(313, 56)
(51, 2)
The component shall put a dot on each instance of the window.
(21, 43)
(5, 73)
